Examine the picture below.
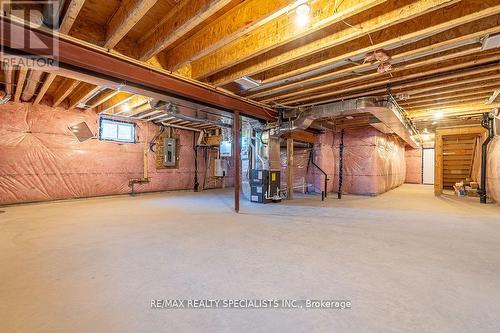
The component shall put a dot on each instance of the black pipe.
(488, 124)
(324, 193)
(195, 147)
(341, 163)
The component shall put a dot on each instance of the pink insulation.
(374, 162)
(324, 157)
(413, 159)
(302, 177)
(42, 160)
(493, 169)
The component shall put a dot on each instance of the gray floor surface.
(408, 262)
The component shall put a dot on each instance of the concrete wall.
(41, 159)
(413, 158)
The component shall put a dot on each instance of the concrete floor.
(409, 262)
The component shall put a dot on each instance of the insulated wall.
(374, 162)
(41, 159)
(413, 158)
(493, 169)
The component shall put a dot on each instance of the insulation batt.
(413, 159)
(41, 160)
(493, 170)
(374, 162)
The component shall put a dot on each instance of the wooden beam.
(409, 52)
(124, 19)
(302, 136)
(438, 21)
(238, 22)
(45, 86)
(117, 100)
(69, 19)
(31, 84)
(21, 79)
(108, 69)
(441, 97)
(452, 100)
(102, 97)
(9, 80)
(394, 16)
(451, 89)
(397, 68)
(281, 31)
(82, 93)
(391, 81)
(189, 16)
(63, 91)
(133, 106)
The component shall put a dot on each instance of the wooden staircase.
(458, 158)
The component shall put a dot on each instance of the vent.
(81, 131)
(495, 98)
(491, 42)
(247, 83)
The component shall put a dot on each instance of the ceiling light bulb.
(438, 115)
(301, 21)
(126, 107)
(303, 10)
(302, 15)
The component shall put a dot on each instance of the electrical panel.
(170, 152)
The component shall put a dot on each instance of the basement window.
(116, 130)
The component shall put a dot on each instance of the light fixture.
(126, 107)
(302, 15)
(438, 115)
(434, 123)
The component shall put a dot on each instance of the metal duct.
(52, 12)
(170, 110)
(379, 107)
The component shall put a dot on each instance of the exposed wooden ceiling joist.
(437, 58)
(102, 97)
(21, 79)
(81, 94)
(238, 22)
(72, 12)
(277, 33)
(188, 17)
(328, 43)
(433, 22)
(31, 84)
(391, 81)
(452, 38)
(45, 86)
(115, 101)
(129, 13)
(9, 79)
(64, 90)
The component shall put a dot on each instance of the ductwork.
(169, 110)
(389, 118)
(52, 12)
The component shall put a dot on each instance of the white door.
(429, 165)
